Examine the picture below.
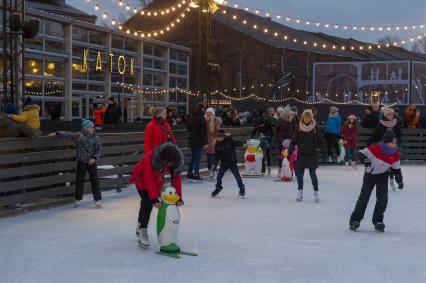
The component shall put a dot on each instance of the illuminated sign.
(123, 65)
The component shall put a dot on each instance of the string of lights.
(318, 45)
(327, 25)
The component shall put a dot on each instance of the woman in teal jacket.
(332, 132)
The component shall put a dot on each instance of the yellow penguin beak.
(173, 199)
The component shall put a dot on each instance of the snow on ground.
(267, 237)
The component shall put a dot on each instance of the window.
(54, 88)
(79, 34)
(99, 88)
(54, 29)
(34, 44)
(54, 46)
(34, 87)
(173, 54)
(148, 49)
(96, 75)
(158, 80)
(34, 66)
(147, 80)
(96, 38)
(158, 51)
(54, 68)
(147, 63)
(130, 45)
(75, 108)
(117, 43)
(182, 70)
(79, 86)
(181, 83)
(183, 57)
(77, 70)
(172, 68)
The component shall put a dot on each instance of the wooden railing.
(33, 169)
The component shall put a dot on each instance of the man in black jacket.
(197, 127)
(225, 152)
(113, 113)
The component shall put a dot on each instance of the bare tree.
(419, 46)
(388, 39)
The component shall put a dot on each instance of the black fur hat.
(168, 153)
(389, 136)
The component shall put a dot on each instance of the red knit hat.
(352, 115)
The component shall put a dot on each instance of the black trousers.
(380, 181)
(266, 159)
(81, 175)
(332, 144)
(145, 209)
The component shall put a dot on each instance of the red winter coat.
(350, 136)
(156, 133)
(99, 115)
(147, 179)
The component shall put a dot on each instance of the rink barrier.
(44, 168)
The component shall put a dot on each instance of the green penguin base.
(176, 254)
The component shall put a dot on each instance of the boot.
(379, 227)
(279, 173)
(269, 171)
(189, 175)
(316, 196)
(354, 225)
(138, 230)
(242, 192)
(392, 184)
(197, 177)
(347, 165)
(143, 238)
(216, 192)
(330, 159)
(299, 195)
(210, 174)
(98, 203)
(353, 164)
(77, 203)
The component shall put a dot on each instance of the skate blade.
(173, 255)
(188, 253)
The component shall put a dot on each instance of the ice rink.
(267, 237)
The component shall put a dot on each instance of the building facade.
(72, 64)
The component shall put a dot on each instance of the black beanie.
(389, 136)
(369, 107)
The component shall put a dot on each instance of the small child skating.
(350, 135)
(148, 177)
(88, 151)
(378, 159)
(225, 152)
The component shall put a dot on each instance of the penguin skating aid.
(168, 220)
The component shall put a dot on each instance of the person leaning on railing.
(28, 123)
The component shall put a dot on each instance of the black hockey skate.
(379, 227)
(354, 225)
(242, 193)
(216, 192)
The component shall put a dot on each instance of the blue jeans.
(234, 170)
(314, 178)
(210, 157)
(195, 160)
(350, 154)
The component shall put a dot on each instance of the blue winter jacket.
(333, 125)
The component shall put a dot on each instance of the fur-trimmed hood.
(158, 163)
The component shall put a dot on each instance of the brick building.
(264, 59)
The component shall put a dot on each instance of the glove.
(367, 162)
(400, 185)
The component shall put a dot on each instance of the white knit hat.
(211, 111)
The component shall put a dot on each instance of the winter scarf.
(386, 149)
(307, 128)
(388, 124)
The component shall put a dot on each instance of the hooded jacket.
(197, 127)
(156, 133)
(30, 116)
(333, 125)
(99, 115)
(148, 173)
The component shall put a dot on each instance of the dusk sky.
(359, 12)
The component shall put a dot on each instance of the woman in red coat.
(158, 130)
(148, 174)
(350, 136)
(98, 113)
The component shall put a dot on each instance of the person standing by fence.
(332, 132)
(88, 151)
(285, 129)
(197, 128)
(157, 131)
(213, 126)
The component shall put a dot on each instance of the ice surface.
(267, 237)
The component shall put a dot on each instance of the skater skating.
(378, 159)
(88, 151)
(307, 139)
(225, 153)
(350, 135)
(148, 177)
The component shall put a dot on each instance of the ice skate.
(316, 196)
(379, 227)
(392, 184)
(216, 192)
(143, 238)
(299, 195)
(242, 193)
(98, 203)
(210, 175)
(330, 159)
(269, 171)
(347, 166)
(353, 164)
(138, 230)
(354, 225)
(77, 203)
(279, 173)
